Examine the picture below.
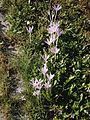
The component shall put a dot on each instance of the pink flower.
(29, 29)
(59, 33)
(36, 93)
(53, 28)
(19, 90)
(45, 57)
(47, 85)
(44, 69)
(52, 38)
(49, 42)
(57, 7)
(54, 50)
(50, 77)
(37, 84)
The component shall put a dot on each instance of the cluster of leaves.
(70, 88)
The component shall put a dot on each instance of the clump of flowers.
(53, 34)
(37, 85)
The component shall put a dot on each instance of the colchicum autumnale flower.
(19, 90)
(54, 50)
(36, 93)
(53, 38)
(49, 42)
(50, 77)
(37, 84)
(47, 85)
(53, 28)
(44, 69)
(57, 7)
(45, 57)
(30, 29)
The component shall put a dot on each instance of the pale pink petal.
(44, 69)
(54, 50)
(36, 93)
(57, 7)
(47, 85)
(50, 77)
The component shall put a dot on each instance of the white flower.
(36, 93)
(57, 7)
(54, 50)
(47, 85)
(44, 69)
(45, 57)
(29, 29)
(50, 77)
(37, 84)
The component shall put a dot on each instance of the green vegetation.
(69, 95)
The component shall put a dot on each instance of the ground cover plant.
(45, 69)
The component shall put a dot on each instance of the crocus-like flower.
(19, 90)
(59, 33)
(52, 38)
(23, 98)
(50, 77)
(57, 7)
(54, 50)
(45, 57)
(44, 69)
(29, 29)
(36, 93)
(49, 42)
(47, 85)
(53, 28)
(37, 84)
